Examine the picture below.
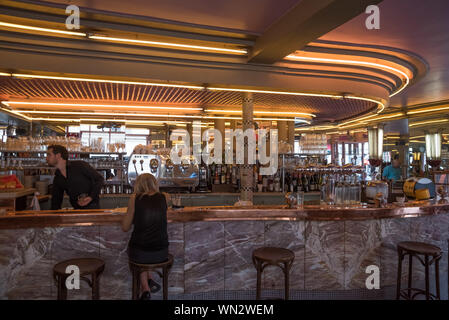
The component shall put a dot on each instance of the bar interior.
(355, 121)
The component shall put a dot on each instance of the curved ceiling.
(412, 25)
(214, 44)
(243, 15)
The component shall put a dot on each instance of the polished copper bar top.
(60, 218)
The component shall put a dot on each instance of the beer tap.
(141, 164)
(134, 163)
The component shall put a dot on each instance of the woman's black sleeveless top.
(150, 223)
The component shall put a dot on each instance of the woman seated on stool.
(147, 211)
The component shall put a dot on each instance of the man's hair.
(59, 149)
(396, 157)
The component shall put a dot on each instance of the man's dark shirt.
(81, 178)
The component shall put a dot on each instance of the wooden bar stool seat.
(92, 267)
(432, 255)
(273, 256)
(137, 268)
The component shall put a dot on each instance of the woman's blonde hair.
(146, 183)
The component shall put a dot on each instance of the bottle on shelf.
(223, 174)
(277, 183)
(298, 184)
(305, 183)
(339, 200)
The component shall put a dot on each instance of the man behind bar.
(81, 182)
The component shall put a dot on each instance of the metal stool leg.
(287, 281)
(165, 282)
(95, 286)
(62, 290)
(410, 273)
(437, 277)
(398, 283)
(259, 280)
(426, 265)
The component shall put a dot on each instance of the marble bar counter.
(212, 247)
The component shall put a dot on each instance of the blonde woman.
(147, 211)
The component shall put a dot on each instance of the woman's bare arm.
(129, 215)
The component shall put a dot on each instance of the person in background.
(393, 171)
(81, 182)
(147, 211)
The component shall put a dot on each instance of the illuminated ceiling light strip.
(369, 117)
(355, 120)
(358, 131)
(355, 62)
(427, 122)
(427, 110)
(382, 106)
(364, 120)
(168, 116)
(20, 26)
(3, 74)
(385, 117)
(16, 113)
(262, 112)
(56, 119)
(169, 44)
(276, 92)
(93, 114)
(99, 105)
(21, 75)
(315, 128)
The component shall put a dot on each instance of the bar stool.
(87, 266)
(137, 268)
(280, 257)
(416, 249)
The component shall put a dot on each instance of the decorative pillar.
(189, 129)
(233, 126)
(282, 130)
(291, 134)
(246, 170)
(219, 124)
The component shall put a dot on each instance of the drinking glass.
(299, 199)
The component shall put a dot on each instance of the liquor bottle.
(234, 175)
(217, 176)
(277, 183)
(313, 183)
(223, 174)
(298, 186)
(271, 184)
(305, 183)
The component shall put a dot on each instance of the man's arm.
(57, 195)
(95, 178)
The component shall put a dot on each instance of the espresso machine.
(171, 177)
